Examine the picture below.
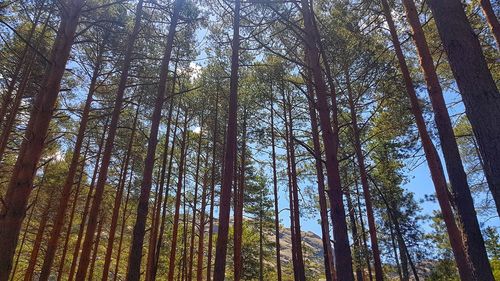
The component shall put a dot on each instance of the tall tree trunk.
(230, 153)
(178, 195)
(30, 270)
(142, 208)
(343, 257)
(432, 157)
(195, 201)
(164, 213)
(108, 148)
(212, 185)
(70, 177)
(275, 192)
(95, 251)
(475, 82)
(294, 192)
(492, 20)
(76, 250)
(63, 261)
(239, 189)
(462, 197)
(123, 223)
(325, 227)
(20, 184)
(355, 237)
(372, 228)
(119, 197)
(363, 232)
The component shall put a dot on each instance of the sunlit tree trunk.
(21, 180)
(118, 198)
(492, 20)
(108, 147)
(477, 87)
(239, 189)
(432, 157)
(70, 177)
(88, 200)
(458, 178)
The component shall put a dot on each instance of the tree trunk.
(175, 228)
(230, 154)
(372, 228)
(20, 184)
(123, 223)
(239, 189)
(63, 261)
(118, 198)
(212, 186)
(70, 177)
(477, 87)
(275, 191)
(142, 208)
(355, 237)
(325, 226)
(462, 197)
(30, 270)
(343, 258)
(95, 252)
(76, 250)
(492, 20)
(432, 157)
(108, 148)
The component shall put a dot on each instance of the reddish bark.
(21, 180)
(275, 191)
(230, 154)
(475, 82)
(95, 251)
(175, 228)
(195, 202)
(118, 198)
(325, 228)
(372, 228)
(492, 20)
(462, 197)
(343, 258)
(134, 267)
(433, 161)
(76, 250)
(239, 189)
(106, 156)
(69, 181)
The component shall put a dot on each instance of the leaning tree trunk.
(462, 197)
(343, 257)
(70, 177)
(108, 148)
(475, 82)
(492, 20)
(230, 154)
(432, 157)
(21, 181)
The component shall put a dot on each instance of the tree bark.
(462, 197)
(118, 198)
(230, 154)
(20, 184)
(69, 181)
(178, 195)
(343, 257)
(239, 189)
(475, 82)
(275, 191)
(432, 157)
(108, 148)
(492, 20)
